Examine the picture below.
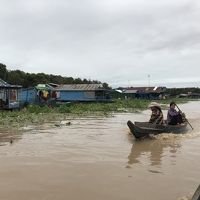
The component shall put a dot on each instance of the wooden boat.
(142, 129)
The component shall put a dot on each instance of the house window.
(13, 95)
(2, 94)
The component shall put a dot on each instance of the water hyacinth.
(40, 114)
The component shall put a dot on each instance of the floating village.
(16, 97)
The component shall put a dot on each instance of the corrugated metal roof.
(85, 87)
(130, 91)
(144, 89)
(4, 84)
(53, 84)
(44, 87)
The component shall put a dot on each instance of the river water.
(97, 158)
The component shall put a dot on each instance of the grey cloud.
(109, 40)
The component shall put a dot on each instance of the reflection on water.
(153, 149)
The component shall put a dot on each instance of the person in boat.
(174, 117)
(156, 115)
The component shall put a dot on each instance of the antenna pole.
(149, 80)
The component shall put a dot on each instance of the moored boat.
(142, 129)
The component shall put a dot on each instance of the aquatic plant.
(40, 114)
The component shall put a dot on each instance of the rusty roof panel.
(78, 87)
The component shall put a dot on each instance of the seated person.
(156, 115)
(174, 117)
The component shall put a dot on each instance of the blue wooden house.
(9, 95)
(82, 93)
(42, 94)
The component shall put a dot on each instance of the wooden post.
(196, 195)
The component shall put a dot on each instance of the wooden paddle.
(185, 117)
(196, 195)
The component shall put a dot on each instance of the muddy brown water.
(96, 158)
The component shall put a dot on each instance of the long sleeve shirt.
(171, 114)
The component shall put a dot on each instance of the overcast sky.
(120, 42)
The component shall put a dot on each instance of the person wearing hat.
(174, 117)
(156, 115)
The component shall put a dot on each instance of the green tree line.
(18, 77)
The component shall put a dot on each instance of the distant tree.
(68, 80)
(3, 72)
(18, 77)
(105, 85)
(95, 81)
(85, 81)
(77, 81)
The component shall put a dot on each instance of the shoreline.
(34, 114)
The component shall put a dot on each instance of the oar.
(185, 118)
(196, 195)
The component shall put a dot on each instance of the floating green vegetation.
(34, 114)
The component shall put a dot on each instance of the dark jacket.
(174, 117)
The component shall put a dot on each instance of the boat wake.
(195, 133)
(185, 198)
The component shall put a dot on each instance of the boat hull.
(142, 129)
